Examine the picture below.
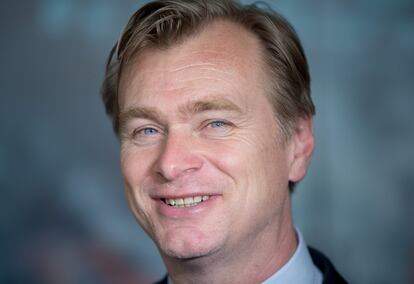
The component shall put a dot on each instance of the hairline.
(264, 60)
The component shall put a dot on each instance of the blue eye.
(146, 135)
(217, 124)
(150, 131)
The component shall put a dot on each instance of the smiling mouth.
(185, 202)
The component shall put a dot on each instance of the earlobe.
(302, 142)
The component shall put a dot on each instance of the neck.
(253, 262)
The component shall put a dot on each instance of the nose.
(178, 157)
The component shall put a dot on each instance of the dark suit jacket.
(330, 275)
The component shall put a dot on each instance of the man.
(211, 103)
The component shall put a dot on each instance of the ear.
(302, 145)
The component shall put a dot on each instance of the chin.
(186, 254)
(187, 246)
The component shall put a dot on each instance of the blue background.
(64, 218)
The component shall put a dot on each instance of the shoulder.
(330, 275)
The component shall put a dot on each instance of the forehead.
(215, 60)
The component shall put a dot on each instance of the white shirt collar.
(299, 269)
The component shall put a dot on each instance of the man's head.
(211, 103)
(161, 24)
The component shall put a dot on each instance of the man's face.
(205, 171)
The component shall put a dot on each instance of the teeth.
(186, 202)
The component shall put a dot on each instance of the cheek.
(247, 154)
(135, 168)
(257, 166)
(242, 163)
(228, 157)
(276, 170)
(135, 165)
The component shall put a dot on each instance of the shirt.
(299, 269)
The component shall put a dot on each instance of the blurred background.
(64, 218)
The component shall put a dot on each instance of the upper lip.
(181, 195)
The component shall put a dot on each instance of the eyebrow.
(212, 104)
(140, 112)
(187, 110)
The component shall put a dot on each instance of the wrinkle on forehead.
(187, 72)
(201, 66)
(170, 62)
(214, 54)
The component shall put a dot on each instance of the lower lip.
(186, 212)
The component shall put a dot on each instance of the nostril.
(171, 172)
(162, 179)
(190, 170)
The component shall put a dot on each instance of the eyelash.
(223, 129)
(210, 124)
(221, 122)
(141, 130)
